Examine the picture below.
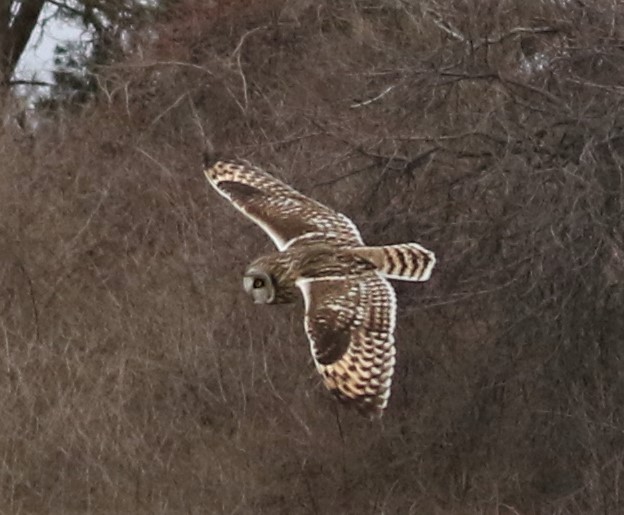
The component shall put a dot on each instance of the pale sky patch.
(37, 62)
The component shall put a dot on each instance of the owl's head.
(269, 281)
(259, 285)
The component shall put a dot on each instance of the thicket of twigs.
(136, 376)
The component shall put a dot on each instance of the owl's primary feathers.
(350, 307)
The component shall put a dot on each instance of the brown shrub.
(138, 377)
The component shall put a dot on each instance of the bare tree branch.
(21, 82)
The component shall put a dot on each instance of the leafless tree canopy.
(137, 377)
(110, 23)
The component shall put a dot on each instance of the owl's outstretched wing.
(350, 325)
(286, 215)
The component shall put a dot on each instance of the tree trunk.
(15, 32)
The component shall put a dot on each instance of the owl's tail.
(406, 261)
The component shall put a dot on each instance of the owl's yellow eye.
(258, 283)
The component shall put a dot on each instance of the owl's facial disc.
(259, 285)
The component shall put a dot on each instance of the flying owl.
(350, 307)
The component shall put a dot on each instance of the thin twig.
(374, 99)
(446, 26)
(156, 63)
(237, 52)
(155, 161)
(172, 106)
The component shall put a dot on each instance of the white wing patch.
(304, 286)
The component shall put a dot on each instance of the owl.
(350, 307)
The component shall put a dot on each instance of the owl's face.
(268, 281)
(259, 285)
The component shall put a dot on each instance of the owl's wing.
(350, 325)
(286, 215)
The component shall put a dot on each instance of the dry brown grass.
(136, 376)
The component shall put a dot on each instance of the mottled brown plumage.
(350, 305)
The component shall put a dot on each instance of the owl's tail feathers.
(406, 261)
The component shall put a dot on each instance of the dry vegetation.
(137, 377)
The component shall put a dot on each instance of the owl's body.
(350, 305)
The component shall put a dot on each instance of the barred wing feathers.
(287, 216)
(350, 325)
